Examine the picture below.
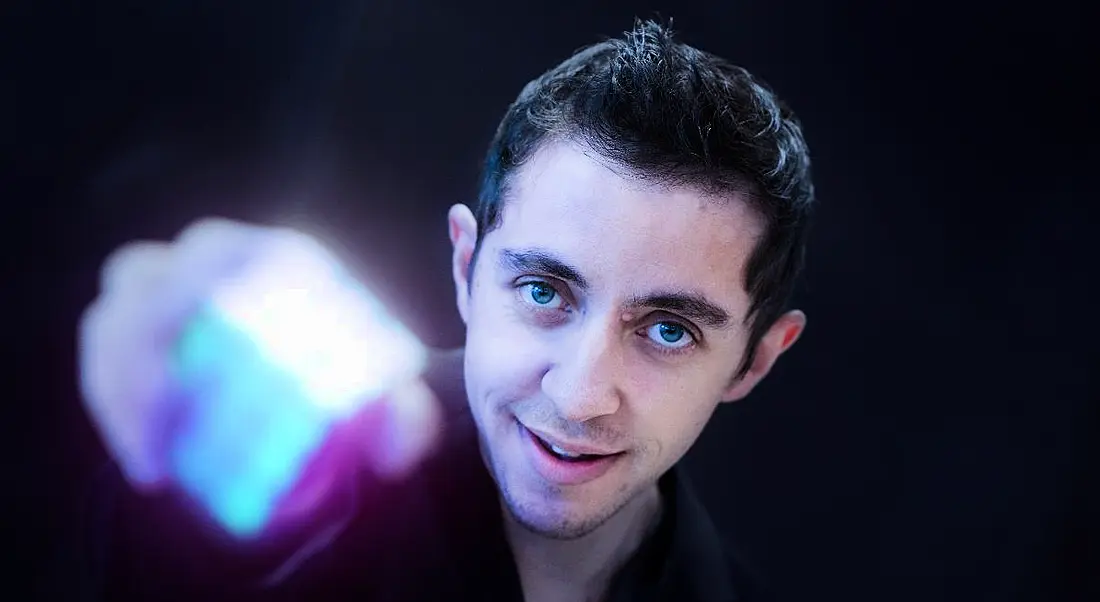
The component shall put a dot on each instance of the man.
(639, 229)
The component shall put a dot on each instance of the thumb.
(390, 436)
(407, 431)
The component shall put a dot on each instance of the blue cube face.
(250, 430)
(275, 360)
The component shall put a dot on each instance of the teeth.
(562, 452)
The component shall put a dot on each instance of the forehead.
(619, 229)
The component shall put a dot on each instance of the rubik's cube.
(274, 360)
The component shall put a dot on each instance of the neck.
(581, 569)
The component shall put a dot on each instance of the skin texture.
(586, 363)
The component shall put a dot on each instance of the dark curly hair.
(676, 115)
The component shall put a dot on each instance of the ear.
(779, 338)
(462, 227)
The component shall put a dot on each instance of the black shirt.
(437, 535)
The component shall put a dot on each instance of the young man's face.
(605, 316)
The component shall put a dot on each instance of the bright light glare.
(274, 361)
(331, 334)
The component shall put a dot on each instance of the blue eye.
(541, 294)
(670, 335)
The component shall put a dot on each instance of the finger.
(413, 430)
(212, 236)
(213, 248)
(120, 381)
(203, 231)
(205, 256)
(137, 265)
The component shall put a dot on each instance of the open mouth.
(565, 467)
(561, 454)
(565, 455)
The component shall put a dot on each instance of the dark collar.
(683, 560)
(696, 567)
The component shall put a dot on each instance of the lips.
(570, 449)
(564, 454)
(565, 464)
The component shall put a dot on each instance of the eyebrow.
(692, 306)
(534, 260)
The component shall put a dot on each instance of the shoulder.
(445, 376)
(747, 580)
(712, 561)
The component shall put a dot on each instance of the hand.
(148, 291)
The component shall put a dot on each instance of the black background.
(929, 438)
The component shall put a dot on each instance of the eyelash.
(522, 288)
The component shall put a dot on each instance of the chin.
(542, 518)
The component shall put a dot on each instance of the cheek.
(670, 418)
(504, 358)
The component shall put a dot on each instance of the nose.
(584, 382)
